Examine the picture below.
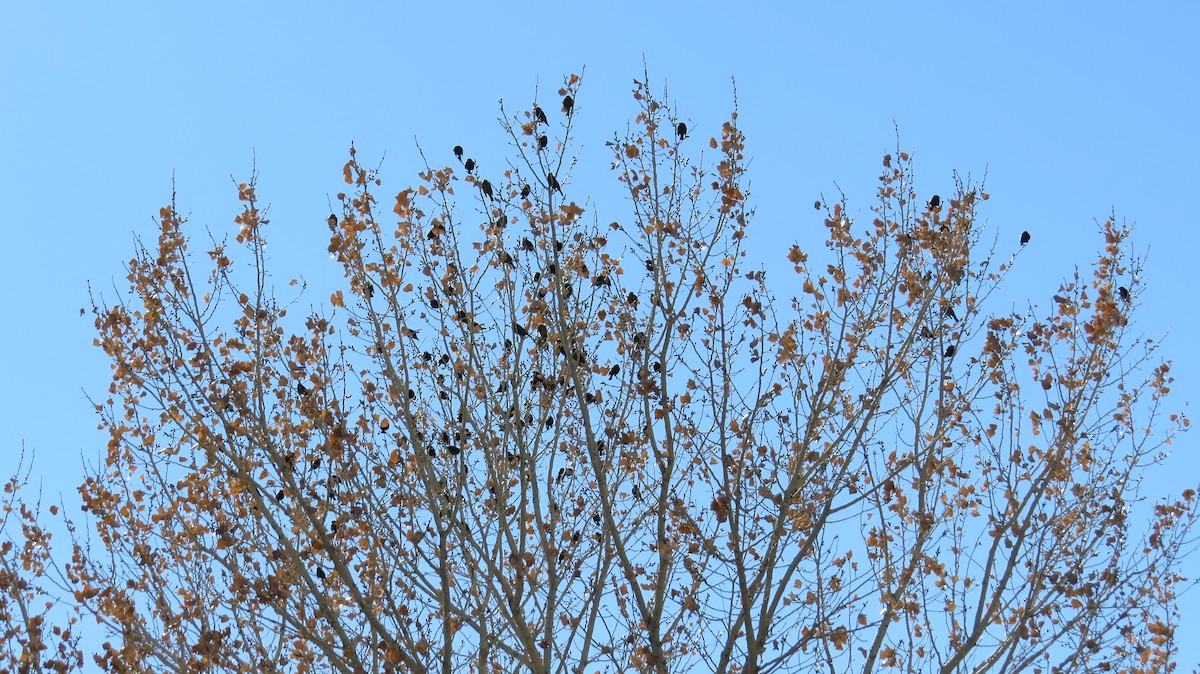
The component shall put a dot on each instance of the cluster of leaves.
(568, 446)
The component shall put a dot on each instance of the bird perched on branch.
(539, 115)
(553, 183)
(568, 105)
(935, 202)
(470, 165)
(458, 152)
(332, 221)
(486, 186)
(681, 130)
(1024, 238)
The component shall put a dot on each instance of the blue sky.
(1073, 111)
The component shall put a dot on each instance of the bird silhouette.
(507, 259)
(568, 105)
(553, 183)
(486, 186)
(543, 141)
(949, 352)
(301, 388)
(332, 221)
(935, 202)
(526, 244)
(520, 329)
(600, 280)
(458, 152)
(614, 371)
(470, 165)
(949, 311)
(681, 130)
(320, 573)
(632, 299)
(525, 190)
(539, 115)
(1123, 293)
(1024, 238)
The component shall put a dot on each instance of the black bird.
(1024, 238)
(681, 130)
(950, 313)
(553, 182)
(332, 221)
(949, 353)
(279, 495)
(539, 115)
(320, 573)
(434, 303)
(526, 244)
(935, 202)
(1123, 293)
(632, 299)
(301, 388)
(525, 190)
(487, 190)
(543, 141)
(601, 280)
(458, 152)
(520, 329)
(614, 371)
(505, 258)
(470, 165)
(568, 105)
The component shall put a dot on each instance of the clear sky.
(1073, 111)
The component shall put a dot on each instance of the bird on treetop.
(950, 313)
(458, 152)
(1024, 238)
(553, 182)
(935, 202)
(332, 221)
(525, 190)
(1123, 293)
(568, 105)
(486, 186)
(681, 130)
(301, 388)
(949, 353)
(539, 115)
(526, 244)
(470, 165)
(543, 141)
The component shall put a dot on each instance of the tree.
(572, 447)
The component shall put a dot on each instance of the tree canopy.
(535, 433)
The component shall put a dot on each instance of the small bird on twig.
(681, 130)
(539, 115)
(568, 105)
(1024, 238)
(458, 152)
